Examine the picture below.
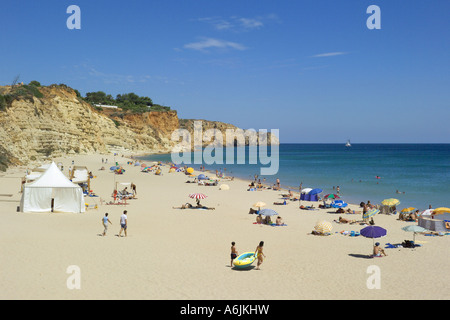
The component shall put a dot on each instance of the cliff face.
(60, 123)
(55, 122)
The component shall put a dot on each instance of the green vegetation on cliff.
(127, 102)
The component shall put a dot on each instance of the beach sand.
(185, 254)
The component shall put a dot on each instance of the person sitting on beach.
(259, 219)
(378, 251)
(279, 221)
(414, 216)
(267, 220)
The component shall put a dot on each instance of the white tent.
(52, 185)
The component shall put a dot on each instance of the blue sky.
(311, 69)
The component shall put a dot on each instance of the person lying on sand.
(280, 203)
(343, 220)
(184, 206)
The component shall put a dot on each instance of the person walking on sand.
(259, 254)
(105, 221)
(123, 223)
(234, 253)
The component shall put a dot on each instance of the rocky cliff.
(53, 121)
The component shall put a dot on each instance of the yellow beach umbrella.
(441, 210)
(323, 226)
(408, 210)
(259, 204)
(390, 202)
(190, 170)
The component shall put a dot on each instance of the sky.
(311, 69)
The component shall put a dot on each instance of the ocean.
(416, 174)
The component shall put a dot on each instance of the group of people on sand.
(413, 216)
(258, 253)
(123, 223)
(267, 220)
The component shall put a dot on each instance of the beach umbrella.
(427, 212)
(323, 226)
(408, 210)
(259, 204)
(441, 210)
(190, 170)
(114, 168)
(268, 212)
(201, 177)
(197, 196)
(370, 213)
(339, 204)
(137, 164)
(390, 202)
(316, 191)
(332, 196)
(373, 232)
(414, 229)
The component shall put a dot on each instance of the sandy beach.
(185, 254)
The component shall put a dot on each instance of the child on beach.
(378, 251)
(259, 254)
(234, 253)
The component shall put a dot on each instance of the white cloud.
(329, 54)
(250, 23)
(210, 43)
(239, 24)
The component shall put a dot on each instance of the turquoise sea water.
(421, 171)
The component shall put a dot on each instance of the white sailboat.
(348, 145)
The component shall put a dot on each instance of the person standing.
(259, 254)
(123, 223)
(234, 253)
(105, 221)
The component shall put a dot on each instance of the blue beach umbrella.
(268, 212)
(373, 232)
(201, 177)
(315, 191)
(114, 168)
(339, 204)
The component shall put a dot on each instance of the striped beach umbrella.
(323, 226)
(390, 202)
(370, 213)
(332, 196)
(197, 196)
